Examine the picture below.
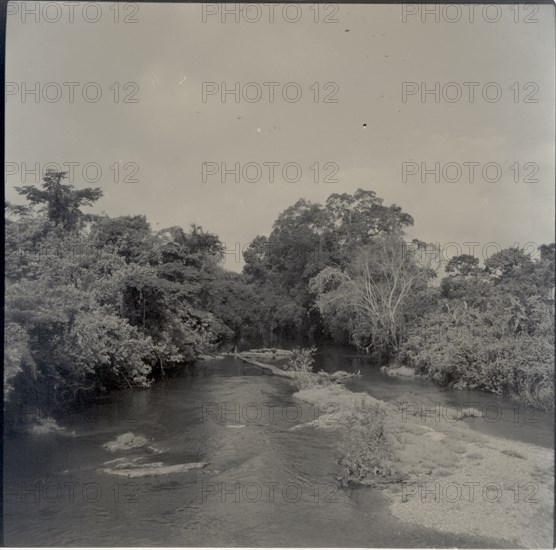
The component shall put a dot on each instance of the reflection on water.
(265, 484)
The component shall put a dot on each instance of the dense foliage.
(94, 302)
(492, 328)
(306, 239)
(344, 271)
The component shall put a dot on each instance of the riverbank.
(456, 480)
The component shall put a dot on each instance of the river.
(265, 484)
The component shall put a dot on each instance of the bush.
(481, 358)
(301, 360)
(301, 364)
(364, 450)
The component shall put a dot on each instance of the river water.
(266, 483)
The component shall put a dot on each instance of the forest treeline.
(94, 303)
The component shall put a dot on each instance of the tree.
(308, 237)
(463, 265)
(234, 303)
(257, 259)
(356, 219)
(374, 290)
(60, 202)
(128, 236)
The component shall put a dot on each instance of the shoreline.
(457, 479)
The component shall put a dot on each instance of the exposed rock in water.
(125, 442)
(132, 469)
(48, 425)
(339, 375)
(123, 459)
(400, 370)
(268, 352)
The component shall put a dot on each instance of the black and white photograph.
(278, 275)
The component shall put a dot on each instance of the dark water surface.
(266, 484)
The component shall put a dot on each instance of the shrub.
(364, 450)
(479, 355)
(301, 364)
(301, 360)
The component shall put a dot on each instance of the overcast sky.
(170, 132)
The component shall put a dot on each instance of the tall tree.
(373, 291)
(61, 202)
(308, 237)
